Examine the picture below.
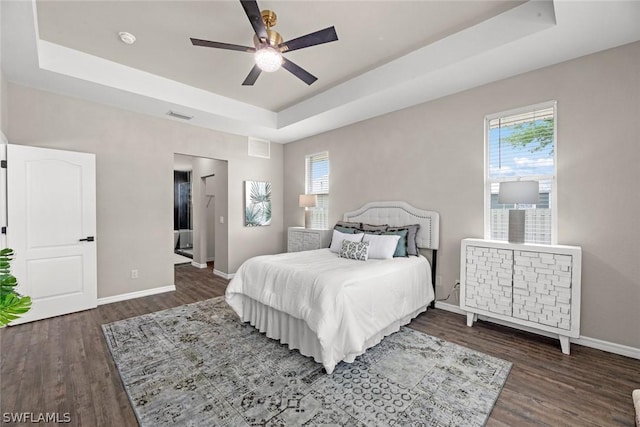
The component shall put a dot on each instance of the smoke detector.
(127, 38)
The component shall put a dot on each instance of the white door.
(51, 226)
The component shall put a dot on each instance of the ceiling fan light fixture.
(269, 45)
(268, 59)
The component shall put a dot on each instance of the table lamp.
(516, 193)
(307, 201)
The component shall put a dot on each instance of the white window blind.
(521, 145)
(317, 182)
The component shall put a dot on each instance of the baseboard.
(223, 274)
(450, 307)
(611, 347)
(137, 294)
(198, 265)
(607, 346)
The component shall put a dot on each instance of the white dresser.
(306, 239)
(537, 286)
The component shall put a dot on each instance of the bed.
(330, 308)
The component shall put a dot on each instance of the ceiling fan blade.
(219, 45)
(252, 77)
(299, 72)
(319, 37)
(253, 13)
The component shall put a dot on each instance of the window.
(317, 182)
(521, 144)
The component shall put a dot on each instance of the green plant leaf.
(7, 284)
(7, 279)
(13, 306)
(8, 252)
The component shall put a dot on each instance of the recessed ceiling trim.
(46, 66)
(73, 63)
(514, 24)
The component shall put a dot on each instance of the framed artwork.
(257, 203)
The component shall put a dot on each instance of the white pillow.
(381, 246)
(338, 237)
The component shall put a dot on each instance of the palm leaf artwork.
(267, 212)
(257, 203)
(12, 304)
(252, 216)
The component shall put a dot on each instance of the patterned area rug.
(198, 365)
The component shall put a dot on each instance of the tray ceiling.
(390, 54)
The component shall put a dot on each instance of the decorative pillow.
(412, 245)
(374, 228)
(345, 224)
(401, 247)
(381, 246)
(346, 230)
(338, 237)
(354, 250)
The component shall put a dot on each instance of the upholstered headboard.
(401, 213)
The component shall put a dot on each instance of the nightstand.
(306, 239)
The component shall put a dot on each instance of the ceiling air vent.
(179, 116)
(259, 148)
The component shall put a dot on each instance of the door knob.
(88, 239)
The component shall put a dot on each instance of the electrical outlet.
(134, 274)
(221, 220)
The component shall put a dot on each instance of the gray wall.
(218, 186)
(134, 155)
(206, 215)
(431, 155)
(3, 103)
(3, 93)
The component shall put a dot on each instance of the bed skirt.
(297, 335)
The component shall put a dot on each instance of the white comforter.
(345, 302)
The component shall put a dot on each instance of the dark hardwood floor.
(62, 365)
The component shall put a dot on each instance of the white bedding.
(344, 302)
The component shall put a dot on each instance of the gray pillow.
(412, 245)
(346, 224)
(374, 228)
(346, 230)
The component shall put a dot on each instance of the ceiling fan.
(269, 45)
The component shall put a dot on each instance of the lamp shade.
(519, 192)
(308, 201)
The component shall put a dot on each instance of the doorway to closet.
(199, 210)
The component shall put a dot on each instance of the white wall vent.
(259, 148)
